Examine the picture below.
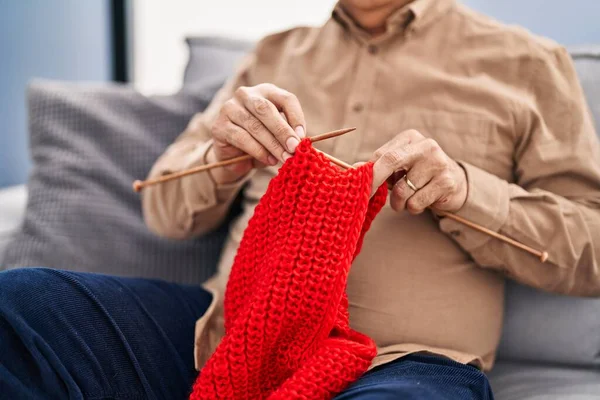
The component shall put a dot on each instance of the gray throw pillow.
(213, 58)
(88, 144)
(542, 327)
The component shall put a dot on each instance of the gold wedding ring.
(410, 184)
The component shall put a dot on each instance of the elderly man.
(488, 121)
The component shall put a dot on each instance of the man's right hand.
(254, 122)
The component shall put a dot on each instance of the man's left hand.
(439, 181)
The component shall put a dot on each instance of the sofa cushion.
(587, 64)
(544, 327)
(522, 381)
(88, 145)
(212, 59)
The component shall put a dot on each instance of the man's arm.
(555, 205)
(263, 121)
(196, 204)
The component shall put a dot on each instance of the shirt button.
(455, 233)
(372, 49)
(358, 107)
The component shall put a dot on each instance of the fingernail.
(272, 160)
(300, 131)
(286, 155)
(291, 144)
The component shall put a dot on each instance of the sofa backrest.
(587, 64)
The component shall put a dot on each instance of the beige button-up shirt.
(504, 103)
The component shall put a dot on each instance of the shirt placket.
(357, 105)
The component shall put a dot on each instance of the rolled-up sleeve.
(554, 205)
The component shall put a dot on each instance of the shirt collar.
(415, 15)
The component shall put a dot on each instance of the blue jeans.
(86, 336)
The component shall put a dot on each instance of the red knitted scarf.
(287, 334)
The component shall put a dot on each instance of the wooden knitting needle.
(336, 161)
(542, 255)
(139, 185)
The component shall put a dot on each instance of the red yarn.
(287, 334)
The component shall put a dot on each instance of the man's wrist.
(223, 175)
(487, 204)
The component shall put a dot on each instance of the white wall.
(159, 29)
(161, 25)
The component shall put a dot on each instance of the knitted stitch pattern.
(287, 333)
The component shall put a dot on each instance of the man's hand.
(263, 121)
(439, 181)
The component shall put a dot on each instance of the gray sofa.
(551, 344)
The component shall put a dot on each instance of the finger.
(399, 194)
(395, 177)
(397, 159)
(419, 175)
(449, 186)
(289, 104)
(400, 140)
(422, 172)
(242, 118)
(425, 197)
(257, 164)
(265, 111)
(241, 139)
(223, 151)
